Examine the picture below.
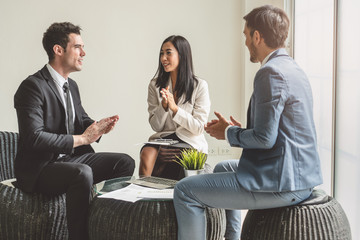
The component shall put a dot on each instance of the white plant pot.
(193, 172)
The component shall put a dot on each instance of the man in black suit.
(54, 154)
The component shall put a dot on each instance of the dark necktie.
(69, 109)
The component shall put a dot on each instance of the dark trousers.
(75, 176)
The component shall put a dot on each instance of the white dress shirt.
(59, 81)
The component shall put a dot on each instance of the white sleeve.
(226, 133)
(195, 121)
(157, 114)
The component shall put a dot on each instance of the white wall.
(122, 41)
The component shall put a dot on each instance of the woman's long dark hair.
(186, 79)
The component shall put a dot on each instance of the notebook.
(154, 182)
(163, 141)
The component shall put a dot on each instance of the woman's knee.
(148, 153)
(148, 157)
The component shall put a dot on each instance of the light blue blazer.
(279, 142)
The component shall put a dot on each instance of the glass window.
(347, 144)
(313, 51)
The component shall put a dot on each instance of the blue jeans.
(222, 190)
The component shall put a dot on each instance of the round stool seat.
(31, 216)
(320, 217)
(112, 219)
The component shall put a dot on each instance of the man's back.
(283, 155)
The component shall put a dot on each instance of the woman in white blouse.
(178, 102)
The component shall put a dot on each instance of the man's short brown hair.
(271, 22)
(58, 33)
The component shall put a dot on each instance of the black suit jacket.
(42, 129)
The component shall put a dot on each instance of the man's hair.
(58, 33)
(271, 22)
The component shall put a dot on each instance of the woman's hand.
(169, 100)
(164, 101)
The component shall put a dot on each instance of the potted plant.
(192, 161)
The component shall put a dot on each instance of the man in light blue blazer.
(279, 165)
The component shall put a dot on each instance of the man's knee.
(182, 187)
(178, 192)
(226, 166)
(126, 165)
(130, 162)
(220, 167)
(84, 175)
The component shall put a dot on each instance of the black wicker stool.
(111, 219)
(31, 216)
(25, 216)
(320, 217)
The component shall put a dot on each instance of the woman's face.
(169, 57)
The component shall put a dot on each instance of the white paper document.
(133, 193)
(153, 193)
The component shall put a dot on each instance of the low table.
(154, 219)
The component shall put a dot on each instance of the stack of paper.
(133, 193)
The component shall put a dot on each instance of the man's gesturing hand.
(95, 131)
(108, 124)
(216, 128)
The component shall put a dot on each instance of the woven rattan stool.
(111, 219)
(319, 218)
(25, 216)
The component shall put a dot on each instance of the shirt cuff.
(226, 133)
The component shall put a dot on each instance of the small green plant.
(191, 159)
